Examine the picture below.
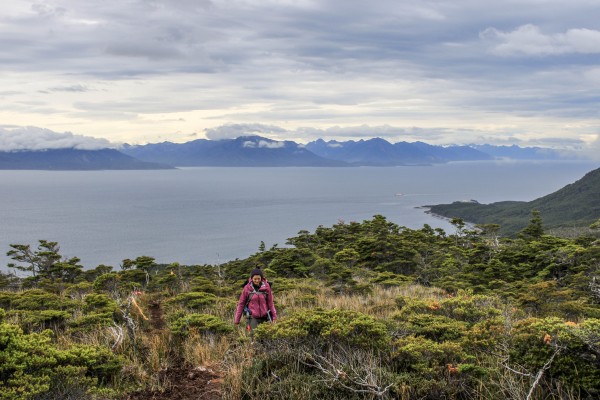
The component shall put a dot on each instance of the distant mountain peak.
(243, 151)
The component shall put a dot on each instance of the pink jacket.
(260, 301)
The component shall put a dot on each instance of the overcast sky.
(521, 72)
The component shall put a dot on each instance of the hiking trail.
(179, 382)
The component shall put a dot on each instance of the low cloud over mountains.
(33, 138)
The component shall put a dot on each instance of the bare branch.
(117, 332)
(540, 373)
(355, 381)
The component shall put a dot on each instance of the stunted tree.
(44, 263)
(37, 262)
(535, 229)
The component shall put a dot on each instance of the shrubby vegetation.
(367, 310)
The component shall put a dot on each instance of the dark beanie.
(256, 271)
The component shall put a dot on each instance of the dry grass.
(205, 350)
(234, 363)
(380, 303)
(157, 348)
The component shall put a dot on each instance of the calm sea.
(211, 215)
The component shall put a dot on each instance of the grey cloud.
(530, 40)
(270, 145)
(72, 88)
(263, 144)
(141, 49)
(306, 59)
(558, 142)
(592, 149)
(33, 138)
(45, 10)
(522, 139)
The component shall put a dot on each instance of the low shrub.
(199, 323)
(33, 367)
(337, 325)
(534, 341)
(195, 300)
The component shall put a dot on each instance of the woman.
(256, 300)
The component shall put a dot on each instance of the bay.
(211, 215)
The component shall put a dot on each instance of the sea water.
(210, 215)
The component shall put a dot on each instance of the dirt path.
(198, 383)
(180, 383)
(157, 317)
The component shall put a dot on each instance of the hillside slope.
(577, 204)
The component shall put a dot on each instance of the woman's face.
(256, 279)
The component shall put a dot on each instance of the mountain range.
(244, 151)
(73, 159)
(256, 151)
(575, 205)
(250, 151)
(380, 152)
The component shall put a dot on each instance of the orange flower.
(452, 369)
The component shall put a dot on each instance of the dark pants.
(254, 322)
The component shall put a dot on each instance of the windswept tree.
(45, 263)
(37, 262)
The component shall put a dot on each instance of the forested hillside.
(367, 310)
(577, 204)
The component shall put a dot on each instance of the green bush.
(203, 284)
(534, 341)
(426, 356)
(199, 323)
(195, 300)
(99, 302)
(435, 327)
(389, 279)
(91, 321)
(410, 305)
(486, 335)
(40, 320)
(471, 308)
(424, 367)
(37, 299)
(108, 282)
(30, 366)
(79, 290)
(306, 285)
(6, 299)
(337, 325)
